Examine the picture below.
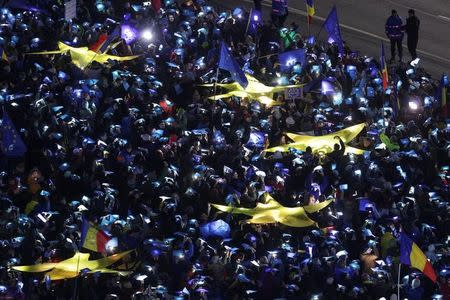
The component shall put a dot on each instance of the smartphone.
(42, 218)
(343, 187)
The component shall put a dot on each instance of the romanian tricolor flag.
(411, 255)
(384, 71)
(97, 45)
(93, 238)
(310, 9)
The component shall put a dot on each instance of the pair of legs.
(278, 20)
(412, 46)
(396, 44)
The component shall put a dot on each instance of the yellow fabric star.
(255, 90)
(71, 267)
(323, 143)
(82, 56)
(273, 212)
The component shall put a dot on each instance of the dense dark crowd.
(139, 150)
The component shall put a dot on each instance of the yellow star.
(323, 143)
(255, 90)
(272, 212)
(82, 56)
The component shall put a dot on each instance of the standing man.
(394, 31)
(412, 30)
(279, 12)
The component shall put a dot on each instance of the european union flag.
(11, 143)
(290, 58)
(228, 63)
(332, 26)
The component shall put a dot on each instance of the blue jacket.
(415, 294)
(279, 7)
(394, 28)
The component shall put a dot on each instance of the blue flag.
(290, 58)
(332, 26)
(11, 143)
(228, 63)
(313, 85)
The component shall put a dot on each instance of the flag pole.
(215, 83)
(309, 26)
(320, 31)
(248, 22)
(308, 20)
(398, 281)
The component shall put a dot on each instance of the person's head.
(394, 13)
(415, 283)
(411, 12)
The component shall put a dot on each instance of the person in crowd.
(279, 12)
(394, 31)
(412, 31)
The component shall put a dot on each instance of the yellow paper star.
(323, 143)
(273, 212)
(255, 90)
(71, 267)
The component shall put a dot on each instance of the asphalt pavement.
(362, 25)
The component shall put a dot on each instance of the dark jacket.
(412, 27)
(394, 28)
(279, 7)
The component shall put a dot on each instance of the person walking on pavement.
(279, 12)
(412, 32)
(394, 31)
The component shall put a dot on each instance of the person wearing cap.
(415, 291)
(412, 32)
(394, 31)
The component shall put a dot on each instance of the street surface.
(362, 25)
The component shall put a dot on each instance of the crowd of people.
(141, 150)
